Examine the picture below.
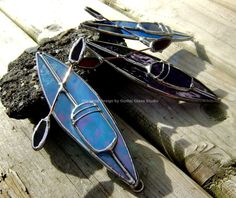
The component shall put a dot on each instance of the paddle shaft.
(60, 89)
(44, 124)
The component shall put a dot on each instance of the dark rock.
(20, 90)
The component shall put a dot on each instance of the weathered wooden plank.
(182, 130)
(40, 176)
(227, 3)
(210, 22)
(203, 147)
(47, 19)
(62, 169)
(11, 185)
(12, 42)
(199, 136)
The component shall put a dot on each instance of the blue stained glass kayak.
(135, 31)
(132, 30)
(81, 113)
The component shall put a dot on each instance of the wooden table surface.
(200, 139)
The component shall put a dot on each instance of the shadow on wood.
(201, 51)
(187, 62)
(72, 159)
(158, 118)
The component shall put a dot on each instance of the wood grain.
(47, 19)
(201, 137)
(198, 137)
(12, 41)
(63, 169)
(11, 185)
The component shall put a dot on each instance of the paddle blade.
(160, 44)
(40, 134)
(77, 50)
(94, 13)
(89, 63)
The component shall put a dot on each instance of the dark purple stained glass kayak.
(81, 113)
(149, 71)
